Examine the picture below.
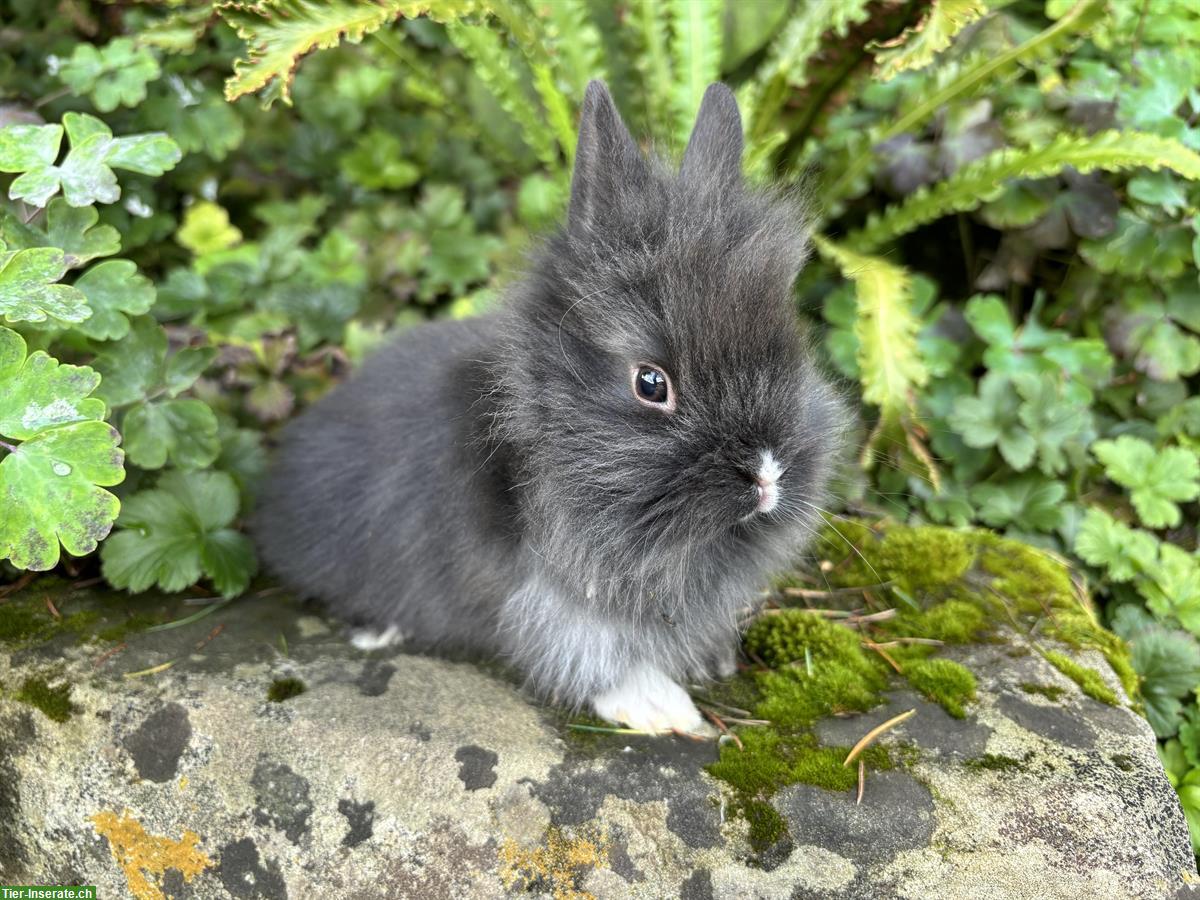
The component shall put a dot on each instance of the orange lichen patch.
(561, 863)
(144, 857)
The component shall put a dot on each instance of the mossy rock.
(923, 588)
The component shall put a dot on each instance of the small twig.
(11, 448)
(887, 656)
(21, 582)
(830, 592)
(108, 654)
(605, 730)
(724, 729)
(212, 634)
(862, 781)
(880, 616)
(875, 732)
(86, 583)
(53, 609)
(725, 706)
(153, 670)
(908, 640)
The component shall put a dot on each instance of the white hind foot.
(369, 639)
(647, 700)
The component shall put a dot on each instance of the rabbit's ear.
(714, 151)
(605, 157)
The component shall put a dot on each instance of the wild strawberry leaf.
(1157, 479)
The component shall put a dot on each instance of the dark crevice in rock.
(281, 799)
(159, 742)
(361, 818)
(476, 767)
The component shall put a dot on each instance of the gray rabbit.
(594, 481)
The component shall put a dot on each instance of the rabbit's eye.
(652, 387)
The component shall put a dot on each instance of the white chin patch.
(366, 639)
(647, 700)
(769, 473)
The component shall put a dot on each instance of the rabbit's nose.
(767, 482)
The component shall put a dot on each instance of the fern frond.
(983, 180)
(889, 361)
(574, 41)
(917, 46)
(494, 66)
(279, 32)
(981, 72)
(530, 36)
(696, 39)
(785, 67)
(653, 64)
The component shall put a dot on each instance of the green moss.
(992, 762)
(1088, 679)
(19, 622)
(768, 761)
(55, 702)
(923, 558)
(285, 689)
(1124, 762)
(943, 681)
(1049, 691)
(767, 826)
(954, 622)
(794, 635)
(134, 624)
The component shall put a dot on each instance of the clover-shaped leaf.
(86, 174)
(992, 419)
(137, 368)
(183, 431)
(113, 289)
(1157, 479)
(1104, 542)
(176, 533)
(51, 483)
(28, 292)
(72, 230)
(113, 75)
(1172, 587)
(1026, 502)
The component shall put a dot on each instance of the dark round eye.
(651, 385)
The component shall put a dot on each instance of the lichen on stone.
(561, 863)
(145, 858)
(994, 762)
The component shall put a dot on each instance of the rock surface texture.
(386, 775)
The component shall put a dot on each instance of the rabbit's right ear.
(605, 157)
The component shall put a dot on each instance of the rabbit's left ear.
(714, 151)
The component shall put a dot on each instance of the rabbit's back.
(385, 499)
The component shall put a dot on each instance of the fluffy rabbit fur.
(497, 484)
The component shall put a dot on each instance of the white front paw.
(647, 700)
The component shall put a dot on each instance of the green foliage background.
(212, 211)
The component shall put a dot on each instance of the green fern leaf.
(696, 38)
(652, 62)
(957, 82)
(574, 41)
(984, 180)
(889, 361)
(785, 66)
(533, 39)
(494, 65)
(916, 47)
(279, 32)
